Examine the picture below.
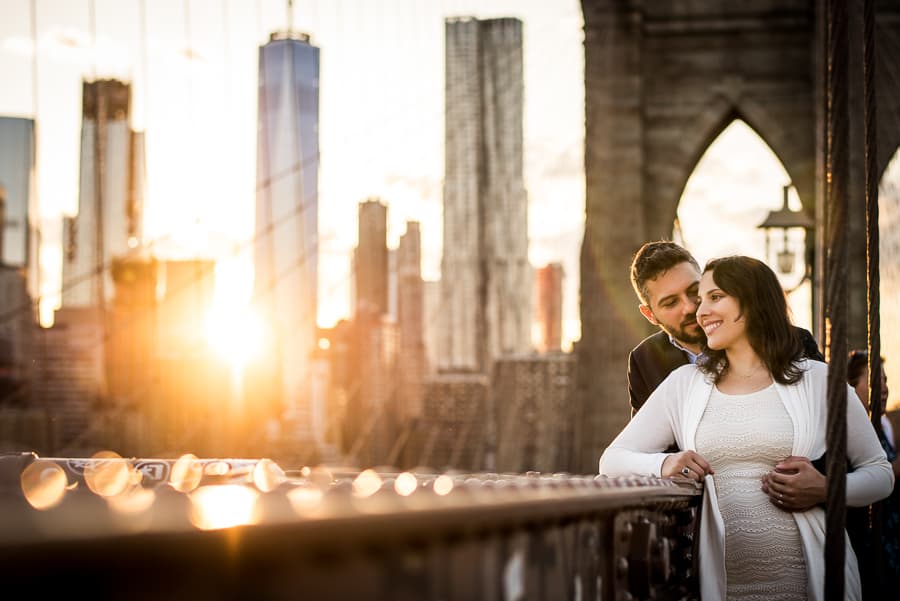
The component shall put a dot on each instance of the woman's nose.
(701, 308)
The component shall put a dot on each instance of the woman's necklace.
(751, 374)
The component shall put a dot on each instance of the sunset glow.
(233, 329)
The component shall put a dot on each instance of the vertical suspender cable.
(836, 170)
(99, 176)
(873, 260)
(34, 268)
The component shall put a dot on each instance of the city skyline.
(192, 65)
(189, 171)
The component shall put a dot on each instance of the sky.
(192, 64)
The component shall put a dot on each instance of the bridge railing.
(238, 528)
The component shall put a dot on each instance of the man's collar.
(692, 356)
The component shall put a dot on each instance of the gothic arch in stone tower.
(662, 80)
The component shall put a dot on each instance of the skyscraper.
(412, 359)
(286, 245)
(18, 210)
(548, 284)
(485, 275)
(371, 265)
(110, 196)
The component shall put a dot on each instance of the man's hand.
(794, 485)
(686, 464)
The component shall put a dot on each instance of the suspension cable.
(836, 168)
(874, 561)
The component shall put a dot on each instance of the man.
(665, 278)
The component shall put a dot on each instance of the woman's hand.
(686, 464)
(794, 485)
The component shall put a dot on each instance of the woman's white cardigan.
(673, 413)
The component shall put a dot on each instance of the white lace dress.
(743, 437)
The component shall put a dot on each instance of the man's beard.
(682, 333)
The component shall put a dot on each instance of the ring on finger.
(686, 471)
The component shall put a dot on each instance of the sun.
(233, 329)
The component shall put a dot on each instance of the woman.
(751, 410)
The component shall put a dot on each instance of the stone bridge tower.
(662, 80)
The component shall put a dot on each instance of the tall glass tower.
(286, 249)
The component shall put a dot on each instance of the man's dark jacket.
(656, 357)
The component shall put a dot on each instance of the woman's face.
(719, 314)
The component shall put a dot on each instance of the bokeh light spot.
(267, 475)
(366, 483)
(405, 484)
(443, 485)
(107, 474)
(186, 473)
(44, 484)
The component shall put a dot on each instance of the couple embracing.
(732, 394)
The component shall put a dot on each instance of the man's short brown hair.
(653, 259)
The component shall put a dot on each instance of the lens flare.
(135, 501)
(443, 485)
(304, 499)
(366, 483)
(107, 474)
(217, 468)
(223, 506)
(406, 484)
(44, 484)
(320, 476)
(186, 473)
(267, 475)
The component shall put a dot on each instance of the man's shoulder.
(657, 355)
(655, 343)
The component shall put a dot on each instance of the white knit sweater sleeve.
(638, 449)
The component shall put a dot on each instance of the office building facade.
(286, 243)
(109, 221)
(412, 357)
(18, 203)
(485, 275)
(371, 264)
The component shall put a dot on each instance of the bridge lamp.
(785, 219)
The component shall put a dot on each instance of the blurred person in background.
(858, 519)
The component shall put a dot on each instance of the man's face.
(673, 303)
